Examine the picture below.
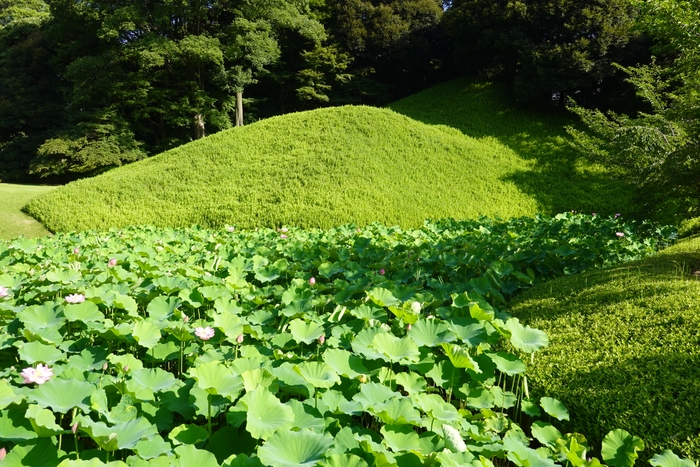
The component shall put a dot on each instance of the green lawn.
(14, 221)
(624, 348)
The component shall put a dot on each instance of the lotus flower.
(617, 215)
(4, 292)
(283, 229)
(594, 214)
(185, 318)
(381, 271)
(112, 262)
(76, 251)
(283, 236)
(75, 298)
(312, 281)
(620, 234)
(239, 339)
(415, 307)
(3, 453)
(38, 375)
(204, 333)
(74, 428)
(230, 228)
(321, 340)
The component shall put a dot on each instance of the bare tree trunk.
(239, 108)
(199, 126)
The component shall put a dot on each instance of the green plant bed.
(346, 347)
(624, 348)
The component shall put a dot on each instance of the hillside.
(339, 165)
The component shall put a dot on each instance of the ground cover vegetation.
(465, 152)
(14, 221)
(348, 346)
(623, 348)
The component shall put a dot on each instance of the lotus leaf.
(669, 459)
(554, 408)
(294, 448)
(189, 456)
(362, 343)
(43, 421)
(395, 349)
(306, 416)
(397, 411)
(399, 437)
(14, 427)
(84, 312)
(460, 358)
(344, 460)
(433, 405)
(123, 435)
(34, 352)
(373, 394)
(382, 297)
(368, 313)
(216, 378)
(620, 448)
(63, 395)
(345, 363)
(230, 324)
(305, 331)
(188, 434)
(7, 394)
(526, 338)
(524, 456)
(145, 382)
(318, 374)
(507, 363)
(162, 308)
(430, 333)
(42, 452)
(545, 433)
(265, 413)
(146, 333)
(259, 377)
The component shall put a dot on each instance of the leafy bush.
(623, 348)
(375, 346)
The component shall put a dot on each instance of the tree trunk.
(199, 126)
(239, 108)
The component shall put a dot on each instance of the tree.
(657, 150)
(544, 49)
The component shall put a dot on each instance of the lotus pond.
(371, 346)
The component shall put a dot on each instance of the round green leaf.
(265, 413)
(526, 338)
(669, 459)
(34, 352)
(146, 333)
(620, 448)
(63, 395)
(554, 408)
(318, 374)
(305, 331)
(396, 349)
(430, 332)
(85, 312)
(294, 448)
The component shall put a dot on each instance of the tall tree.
(544, 49)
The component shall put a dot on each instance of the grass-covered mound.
(624, 348)
(334, 166)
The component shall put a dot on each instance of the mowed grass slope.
(333, 166)
(624, 349)
(13, 221)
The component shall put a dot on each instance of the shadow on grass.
(559, 179)
(624, 349)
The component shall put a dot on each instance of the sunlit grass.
(14, 222)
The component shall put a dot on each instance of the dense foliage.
(373, 346)
(329, 167)
(623, 348)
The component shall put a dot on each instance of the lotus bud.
(126, 368)
(74, 428)
(76, 251)
(617, 215)
(185, 318)
(415, 307)
(363, 378)
(381, 271)
(594, 214)
(239, 339)
(112, 262)
(3, 453)
(312, 281)
(105, 366)
(408, 327)
(321, 340)
(620, 234)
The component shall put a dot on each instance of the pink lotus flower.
(4, 292)
(312, 281)
(283, 229)
(75, 298)
(230, 228)
(620, 234)
(38, 375)
(283, 236)
(204, 333)
(74, 428)
(76, 251)
(112, 262)
(617, 215)
(381, 271)
(3, 453)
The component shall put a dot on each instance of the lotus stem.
(209, 414)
